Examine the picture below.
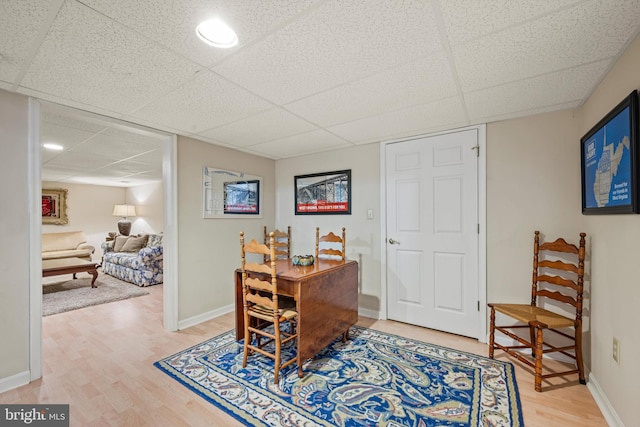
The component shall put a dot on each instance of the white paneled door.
(432, 232)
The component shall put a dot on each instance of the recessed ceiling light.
(216, 33)
(54, 147)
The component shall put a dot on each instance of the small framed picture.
(54, 206)
(327, 193)
(242, 197)
(609, 160)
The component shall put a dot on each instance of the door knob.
(393, 242)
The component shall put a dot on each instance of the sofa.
(68, 244)
(134, 259)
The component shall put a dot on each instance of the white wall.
(14, 236)
(614, 256)
(209, 249)
(363, 235)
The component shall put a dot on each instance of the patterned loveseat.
(135, 259)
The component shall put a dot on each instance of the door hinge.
(478, 305)
(477, 148)
(478, 228)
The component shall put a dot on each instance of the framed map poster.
(609, 153)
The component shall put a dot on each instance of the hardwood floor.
(100, 361)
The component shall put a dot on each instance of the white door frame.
(482, 220)
(170, 234)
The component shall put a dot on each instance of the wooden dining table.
(326, 295)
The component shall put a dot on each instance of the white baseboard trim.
(14, 381)
(609, 413)
(365, 312)
(192, 321)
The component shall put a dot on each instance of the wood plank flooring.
(100, 361)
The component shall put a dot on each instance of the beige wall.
(14, 236)
(148, 200)
(363, 235)
(90, 209)
(614, 257)
(209, 249)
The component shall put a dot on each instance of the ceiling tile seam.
(50, 17)
(269, 33)
(523, 22)
(612, 63)
(444, 39)
(560, 106)
(161, 46)
(548, 73)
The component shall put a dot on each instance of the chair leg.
(276, 363)
(492, 329)
(345, 336)
(532, 335)
(539, 354)
(579, 362)
(247, 338)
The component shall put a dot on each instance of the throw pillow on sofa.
(119, 243)
(134, 244)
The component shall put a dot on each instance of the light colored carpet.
(66, 295)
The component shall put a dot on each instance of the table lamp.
(124, 225)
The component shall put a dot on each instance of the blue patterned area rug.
(374, 379)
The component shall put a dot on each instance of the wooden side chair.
(326, 245)
(558, 281)
(281, 241)
(262, 307)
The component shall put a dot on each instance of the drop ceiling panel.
(202, 103)
(88, 58)
(273, 124)
(111, 148)
(250, 19)
(419, 82)
(62, 135)
(80, 161)
(318, 140)
(336, 43)
(19, 26)
(405, 122)
(568, 38)
(465, 20)
(549, 90)
(150, 158)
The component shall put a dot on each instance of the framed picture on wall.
(54, 206)
(609, 159)
(323, 193)
(242, 197)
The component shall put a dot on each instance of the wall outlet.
(616, 350)
(369, 213)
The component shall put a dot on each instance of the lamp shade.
(124, 210)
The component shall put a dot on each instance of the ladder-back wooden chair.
(558, 280)
(262, 307)
(281, 242)
(328, 244)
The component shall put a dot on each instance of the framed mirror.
(230, 194)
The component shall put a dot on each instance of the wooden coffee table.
(56, 267)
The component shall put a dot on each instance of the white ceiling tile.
(273, 124)
(336, 43)
(5, 86)
(314, 141)
(63, 135)
(419, 82)
(249, 19)
(567, 86)
(89, 58)
(465, 20)
(80, 161)
(111, 148)
(20, 22)
(202, 103)
(586, 33)
(417, 119)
